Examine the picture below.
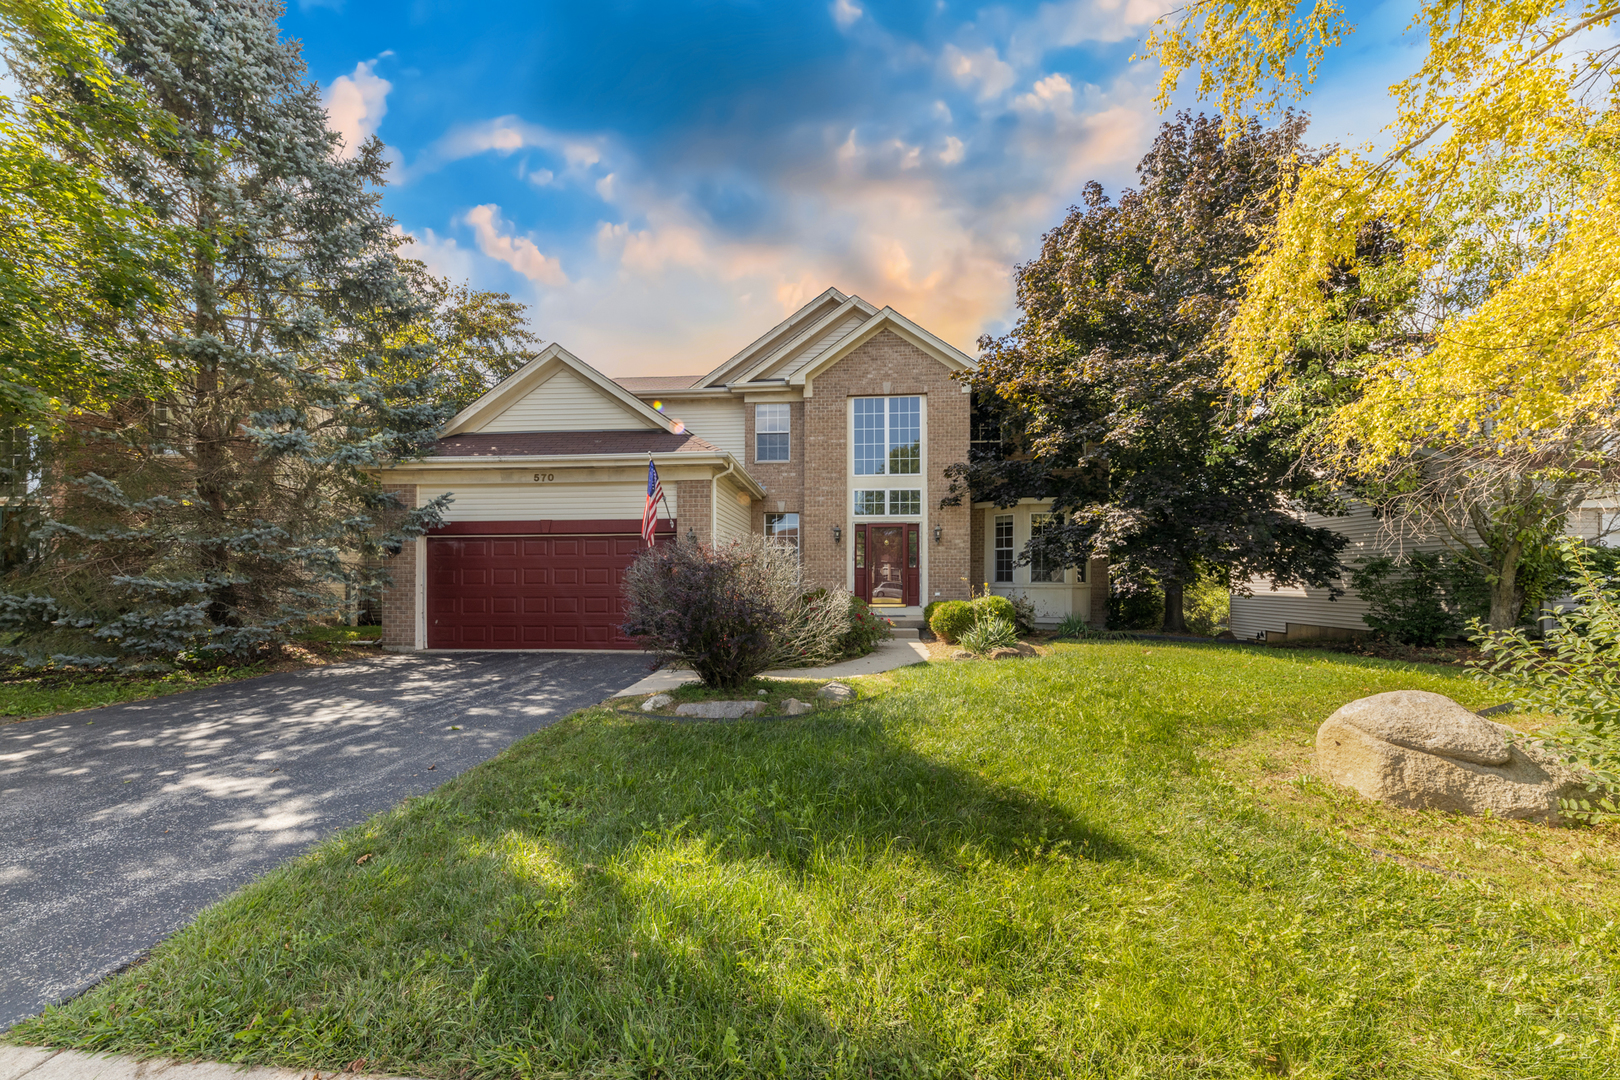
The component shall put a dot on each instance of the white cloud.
(1072, 22)
(356, 104)
(953, 151)
(1051, 94)
(988, 71)
(506, 135)
(845, 13)
(604, 188)
(441, 255)
(518, 252)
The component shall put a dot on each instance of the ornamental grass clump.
(989, 634)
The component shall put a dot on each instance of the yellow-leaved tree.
(1490, 406)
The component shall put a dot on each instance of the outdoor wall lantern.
(838, 534)
(691, 536)
(939, 530)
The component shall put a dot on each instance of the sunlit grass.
(1084, 865)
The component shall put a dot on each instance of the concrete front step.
(905, 633)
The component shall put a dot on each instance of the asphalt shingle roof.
(570, 443)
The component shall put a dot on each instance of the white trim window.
(772, 428)
(888, 436)
(1043, 568)
(783, 529)
(890, 502)
(1004, 549)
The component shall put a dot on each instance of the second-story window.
(888, 436)
(771, 430)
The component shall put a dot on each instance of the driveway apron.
(118, 825)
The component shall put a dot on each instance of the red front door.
(886, 570)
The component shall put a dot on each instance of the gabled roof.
(651, 384)
(816, 336)
(517, 386)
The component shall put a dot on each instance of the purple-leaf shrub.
(706, 607)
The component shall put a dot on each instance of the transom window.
(891, 502)
(783, 529)
(888, 436)
(1004, 548)
(771, 431)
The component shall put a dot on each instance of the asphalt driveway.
(118, 825)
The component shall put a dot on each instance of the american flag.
(655, 493)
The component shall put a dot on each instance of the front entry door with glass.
(886, 556)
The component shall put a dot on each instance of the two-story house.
(831, 433)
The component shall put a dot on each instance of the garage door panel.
(528, 591)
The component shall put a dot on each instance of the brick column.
(399, 598)
(694, 509)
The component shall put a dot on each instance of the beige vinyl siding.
(718, 421)
(519, 502)
(1272, 610)
(827, 342)
(565, 402)
(733, 514)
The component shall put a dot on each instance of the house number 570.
(544, 477)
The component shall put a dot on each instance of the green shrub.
(1136, 609)
(988, 633)
(998, 607)
(1424, 598)
(1573, 673)
(928, 612)
(866, 629)
(951, 619)
(1207, 603)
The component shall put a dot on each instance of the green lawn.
(1101, 863)
(26, 693)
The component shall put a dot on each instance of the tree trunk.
(1506, 598)
(1175, 618)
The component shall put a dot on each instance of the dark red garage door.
(527, 592)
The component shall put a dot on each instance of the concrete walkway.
(17, 1062)
(886, 657)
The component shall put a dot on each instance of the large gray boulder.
(1418, 750)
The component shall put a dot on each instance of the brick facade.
(399, 598)
(887, 365)
(783, 480)
(694, 509)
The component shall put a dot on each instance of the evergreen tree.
(1108, 391)
(230, 506)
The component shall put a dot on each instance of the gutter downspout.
(714, 501)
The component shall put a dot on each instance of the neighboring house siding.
(518, 502)
(733, 513)
(719, 422)
(1309, 611)
(886, 365)
(564, 402)
(399, 598)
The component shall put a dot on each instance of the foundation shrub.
(866, 629)
(951, 619)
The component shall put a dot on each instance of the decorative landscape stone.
(720, 710)
(1419, 750)
(795, 707)
(961, 654)
(835, 691)
(657, 701)
(1005, 654)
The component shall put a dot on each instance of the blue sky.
(661, 182)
